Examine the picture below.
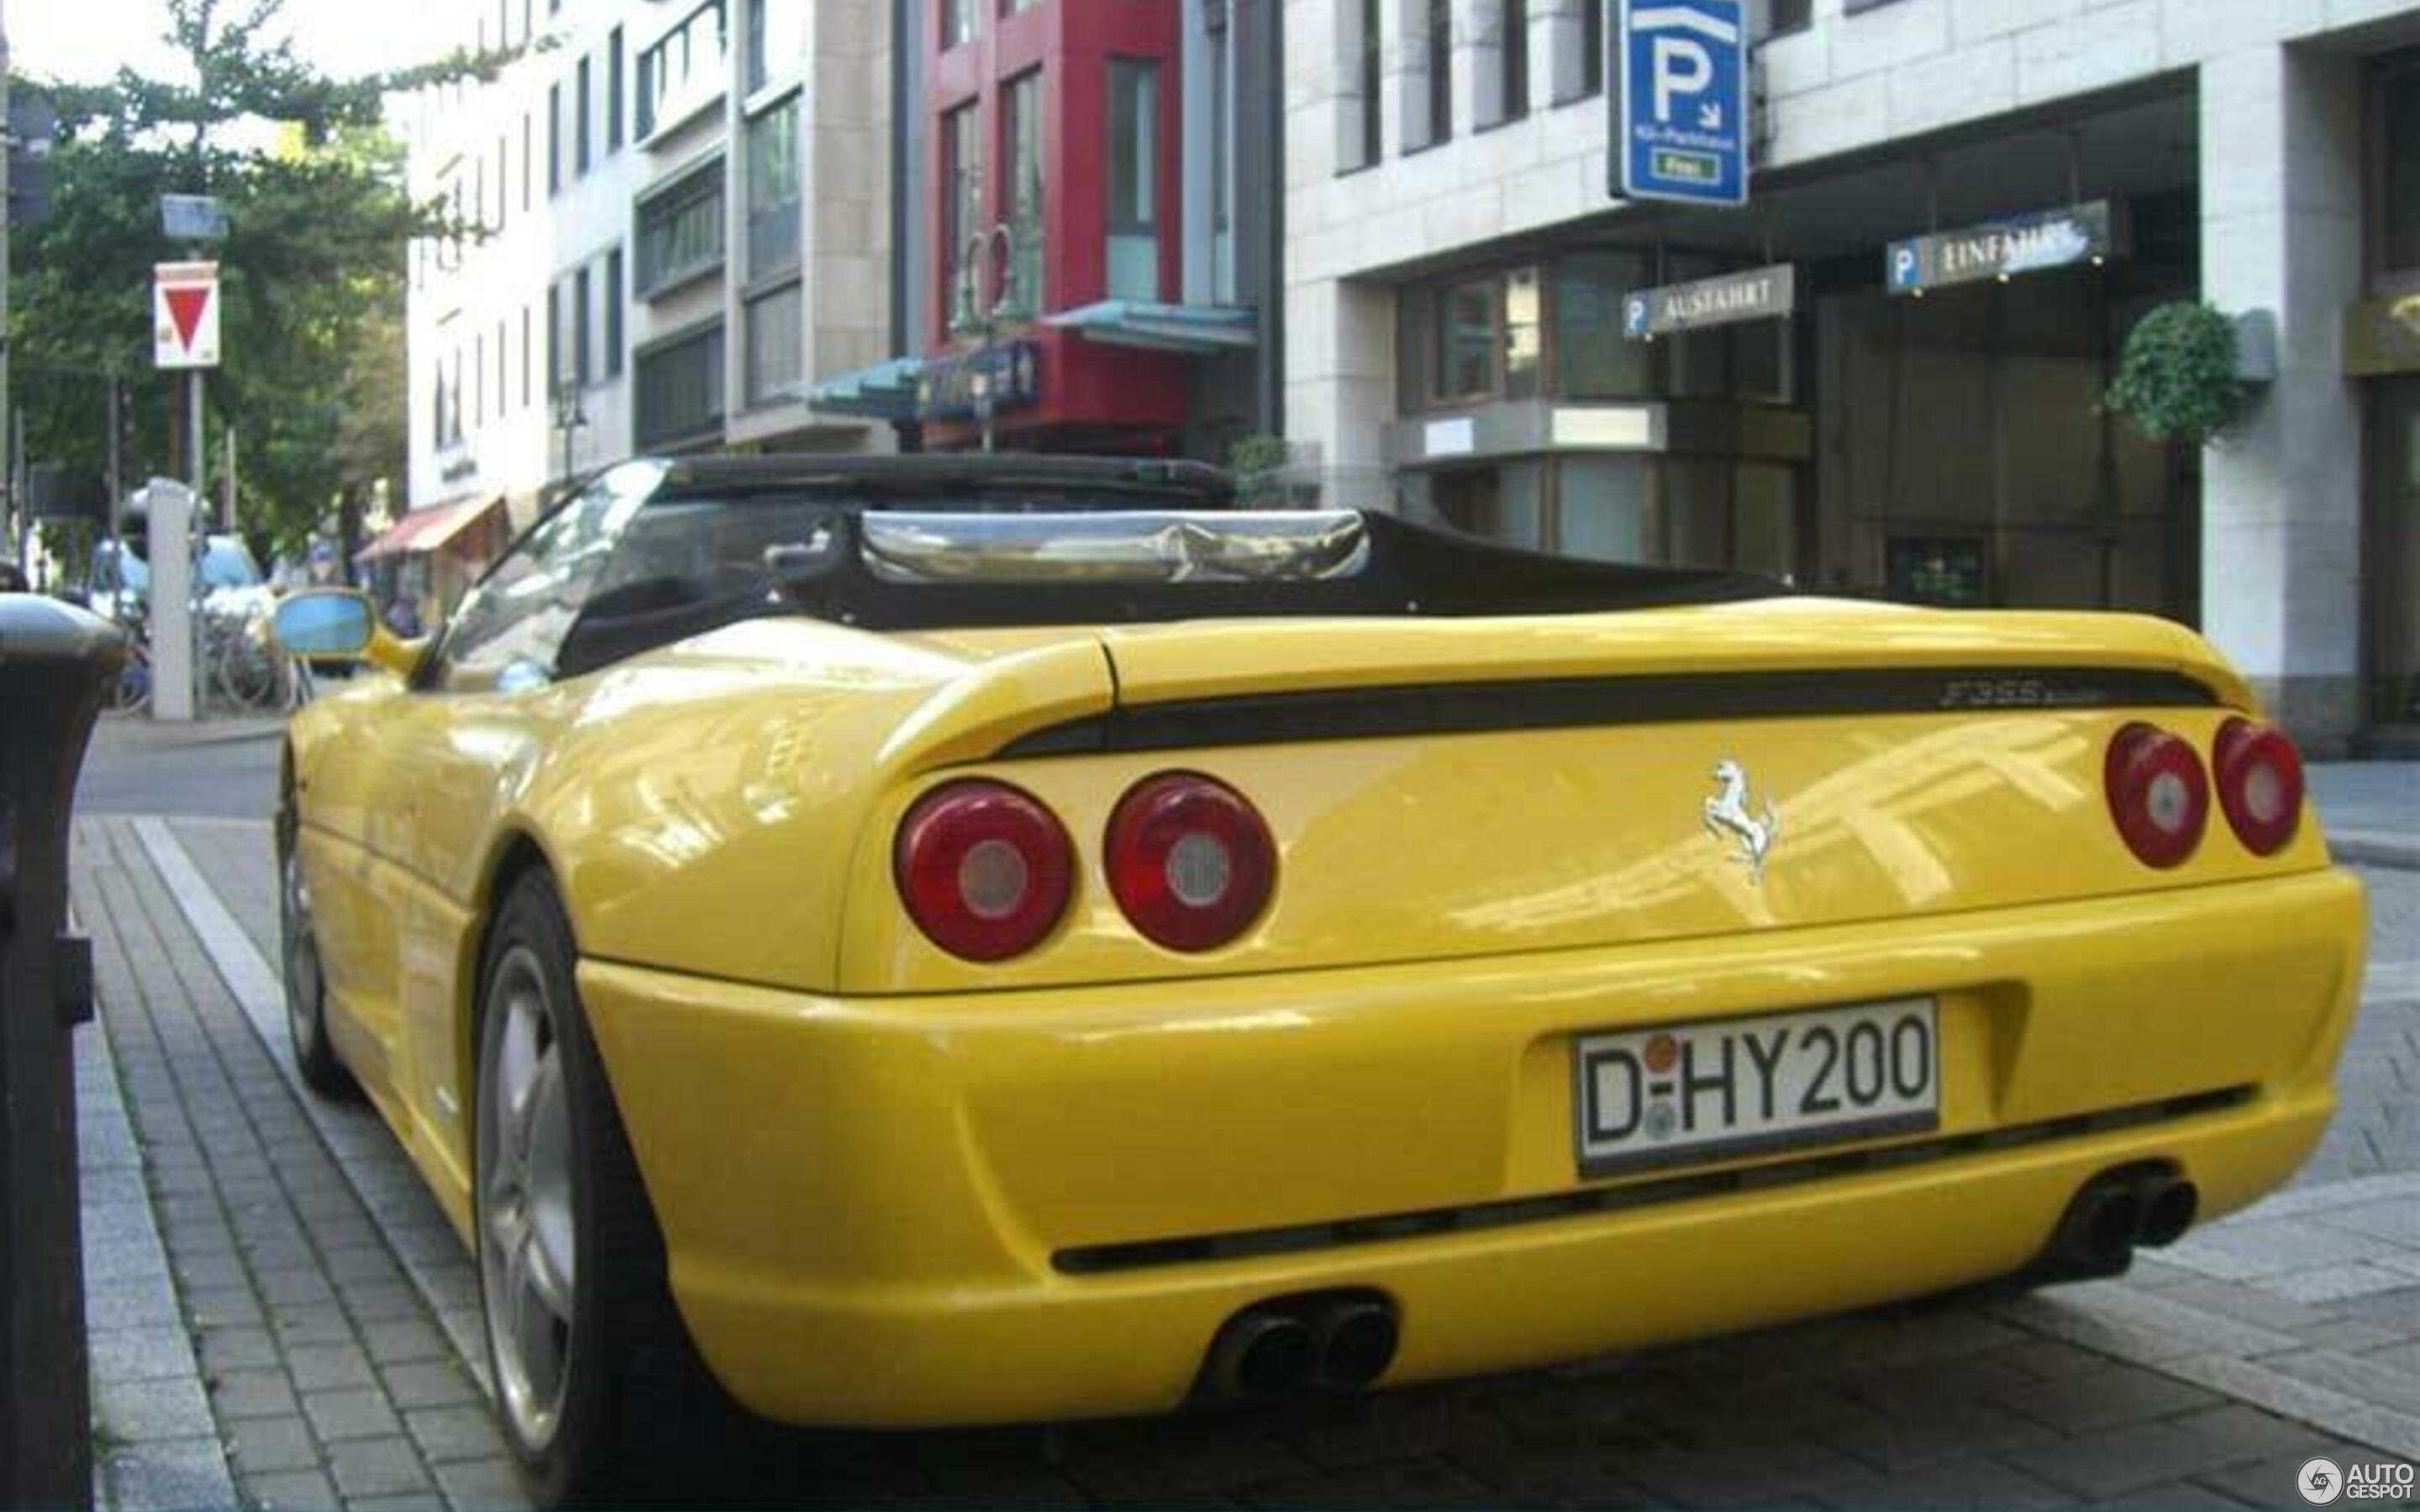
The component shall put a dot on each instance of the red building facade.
(1099, 181)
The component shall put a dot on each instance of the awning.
(1196, 329)
(886, 391)
(428, 529)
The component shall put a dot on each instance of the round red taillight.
(2260, 784)
(1189, 861)
(983, 869)
(2158, 794)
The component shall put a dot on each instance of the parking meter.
(56, 660)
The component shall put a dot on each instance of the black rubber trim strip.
(1378, 713)
(1100, 1259)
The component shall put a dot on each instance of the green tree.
(311, 273)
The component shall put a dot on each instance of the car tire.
(569, 1253)
(306, 991)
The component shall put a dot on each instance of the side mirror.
(325, 625)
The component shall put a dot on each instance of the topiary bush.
(2176, 379)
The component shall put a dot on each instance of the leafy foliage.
(2176, 377)
(311, 273)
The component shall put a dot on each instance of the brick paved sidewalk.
(328, 1311)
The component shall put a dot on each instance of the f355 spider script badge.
(1730, 813)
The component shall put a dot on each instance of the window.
(613, 314)
(509, 629)
(683, 69)
(773, 190)
(580, 132)
(527, 156)
(558, 360)
(681, 230)
(1524, 338)
(1593, 360)
(1222, 128)
(553, 139)
(479, 378)
(957, 23)
(504, 171)
(1020, 129)
(961, 198)
(580, 368)
(777, 344)
(504, 384)
(613, 90)
(1592, 48)
(1134, 179)
(1512, 59)
(1465, 334)
(528, 395)
(479, 188)
(756, 71)
(2398, 154)
(679, 388)
(1372, 86)
(1439, 46)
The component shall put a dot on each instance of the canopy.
(427, 528)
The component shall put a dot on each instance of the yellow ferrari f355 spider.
(955, 941)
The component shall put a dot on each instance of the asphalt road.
(131, 769)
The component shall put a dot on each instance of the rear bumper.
(874, 1207)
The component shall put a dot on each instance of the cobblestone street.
(325, 1316)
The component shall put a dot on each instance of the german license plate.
(1682, 1093)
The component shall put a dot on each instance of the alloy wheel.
(527, 1245)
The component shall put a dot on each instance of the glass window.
(506, 637)
(957, 23)
(1440, 70)
(1593, 360)
(613, 90)
(1134, 179)
(777, 344)
(580, 368)
(681, 230)
(773, 190)
(1591, 47)
(1764, 520)
(1496, 503)
(1373, 108)
(579, 130)
(1602, 511)
(1222, 126)
(1524, 337)
(1466, 340)
(757, 72)
(528, 154)
(614, 313)
(527, 392)
(1020, 129)
(680, 387)
(1512, 57)
(1696, 506)
(1413, 307)
(683, 69)
(2400, 148)
(962, 198)
(554, 139)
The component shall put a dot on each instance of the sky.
(85, 40)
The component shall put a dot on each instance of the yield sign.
(185, 314)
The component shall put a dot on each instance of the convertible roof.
(1152, 479)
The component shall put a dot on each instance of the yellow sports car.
(965, 940)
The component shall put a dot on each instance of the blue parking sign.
(1680, 117)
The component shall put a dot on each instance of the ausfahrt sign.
(185, 314)
(1728, 299)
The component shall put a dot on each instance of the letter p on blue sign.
(1679, 115)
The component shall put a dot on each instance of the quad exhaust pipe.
(2146, 1204)
(1336, 1341)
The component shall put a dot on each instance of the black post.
(54, 660)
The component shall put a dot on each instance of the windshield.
(120, 568)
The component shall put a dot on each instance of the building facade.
(674, 217)
(1086, 227)
(1457, 271)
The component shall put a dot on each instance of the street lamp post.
(569, 418)
(1008, 306)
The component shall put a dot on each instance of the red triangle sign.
(185, 306)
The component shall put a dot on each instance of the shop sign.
(1754, 294)
(1680, 115)
(2382, 336)
(2000, 249)
(1008, 376)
